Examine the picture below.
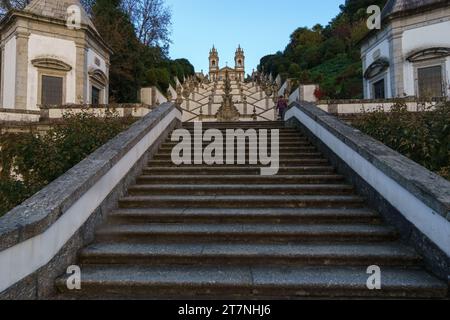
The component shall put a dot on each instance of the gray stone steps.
(196, 254)
(166, 156)
(229, 170)
(283, 163)
(281, 134)
(240, 189)
(247, 179)
(282, 143)
(227, 232)
(224, 130)
(246, 282)
(244, 125)
(224, 215)
(264, 233)
(242, 201)
(282, 149)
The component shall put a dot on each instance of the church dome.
(398, 8)
(57, 9)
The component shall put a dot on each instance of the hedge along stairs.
(197, 231)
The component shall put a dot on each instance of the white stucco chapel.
(410, 55)
(52, 54)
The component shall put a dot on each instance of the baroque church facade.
(52, 54)
(218, 74)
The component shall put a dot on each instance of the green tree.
(118, 32)
(328, 55)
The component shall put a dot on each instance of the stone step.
(281, 134)
(224, 129)
(285, 150)
(282, 156)
(240, 189)
(253, 201)
(224, 215)
(194, 282)
(282, 139)
(223, 170)
(233, 125)
(247, 179)
(263, 233)
(237, 125)
(197, 254)
(282, 144)
(283, 163)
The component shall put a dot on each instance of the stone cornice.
(14, 14)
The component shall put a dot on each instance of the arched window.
(213, 63)
(98, 83)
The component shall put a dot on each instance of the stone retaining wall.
(40, 238)
(409, 197)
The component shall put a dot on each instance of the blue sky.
(260, 26)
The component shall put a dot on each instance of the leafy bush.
(421, 136)
(28, 162)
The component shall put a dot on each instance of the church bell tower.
(213, 64)
(239, 61)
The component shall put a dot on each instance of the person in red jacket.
(282, 106)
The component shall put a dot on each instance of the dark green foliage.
(133, 64)
(423, 136)
(163, 75)
(118, 32)
(29, 162)
(329, 56)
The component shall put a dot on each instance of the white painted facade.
(62, 50)
(96, 61)
(380, 50)
(398, 41)
(429, 36)
(39, 53)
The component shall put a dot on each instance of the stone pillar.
(210, 102)
(397, 78)
(81, 73)
(245, 105)
(2, 73)
(22, 37)
(333, 109)
(108, 66)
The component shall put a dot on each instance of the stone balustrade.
(413, 199)
(41, 237)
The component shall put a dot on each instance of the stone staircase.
(227, 232)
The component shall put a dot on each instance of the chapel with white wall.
(52, 54)
(410, 55)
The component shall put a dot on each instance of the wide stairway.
(228, 232)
